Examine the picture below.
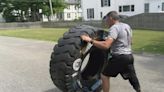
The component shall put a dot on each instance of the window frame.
(90, 13)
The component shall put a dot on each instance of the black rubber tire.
(67, 51)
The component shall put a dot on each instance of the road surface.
(24, 67)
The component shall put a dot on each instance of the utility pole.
(50, 1)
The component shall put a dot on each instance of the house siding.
(154, 7)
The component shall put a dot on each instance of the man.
(119, 41)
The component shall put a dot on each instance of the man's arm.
(100, 44)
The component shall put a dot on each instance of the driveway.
(24, 67)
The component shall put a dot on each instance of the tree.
(58, 6)
(27, 10)
(6, 7)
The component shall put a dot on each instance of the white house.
(96, 9)
(73, 10)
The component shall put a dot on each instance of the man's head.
(111, 18)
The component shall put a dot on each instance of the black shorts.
(122, 64)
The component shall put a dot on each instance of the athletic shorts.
(120, 64)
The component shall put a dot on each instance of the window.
(60, 15)
(132, 8)
(146, 7)
(120, 8)
(90, 13)
(105, 3)
(68, 7)
(68, 15)
(162, 6)
(76, 7)
(126, 8)
(75, 15)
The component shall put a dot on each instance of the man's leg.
(135, 83)
(133, 79)
(105, 83)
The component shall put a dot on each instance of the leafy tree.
(28, 10)
(58, 6)
(7, 7)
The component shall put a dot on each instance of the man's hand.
(100, 44)
(86, 38)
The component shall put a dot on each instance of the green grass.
(143, 40)
(148, 41)
(49, 34)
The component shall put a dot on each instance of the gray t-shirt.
(122, 35)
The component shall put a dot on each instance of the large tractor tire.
(75, 65)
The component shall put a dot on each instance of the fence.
(20, 25)
(59, 24)
(154, 21)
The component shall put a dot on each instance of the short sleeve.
(113, 33)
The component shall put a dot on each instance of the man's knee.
(103, 77)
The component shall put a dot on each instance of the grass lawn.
(148, 41)
(49, 34)
(143, 40)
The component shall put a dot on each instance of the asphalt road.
(24, 67)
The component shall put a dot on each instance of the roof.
(72, 1)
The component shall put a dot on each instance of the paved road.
(24, 67)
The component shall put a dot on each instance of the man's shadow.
(54, 90)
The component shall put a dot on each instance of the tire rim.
(77, 64)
